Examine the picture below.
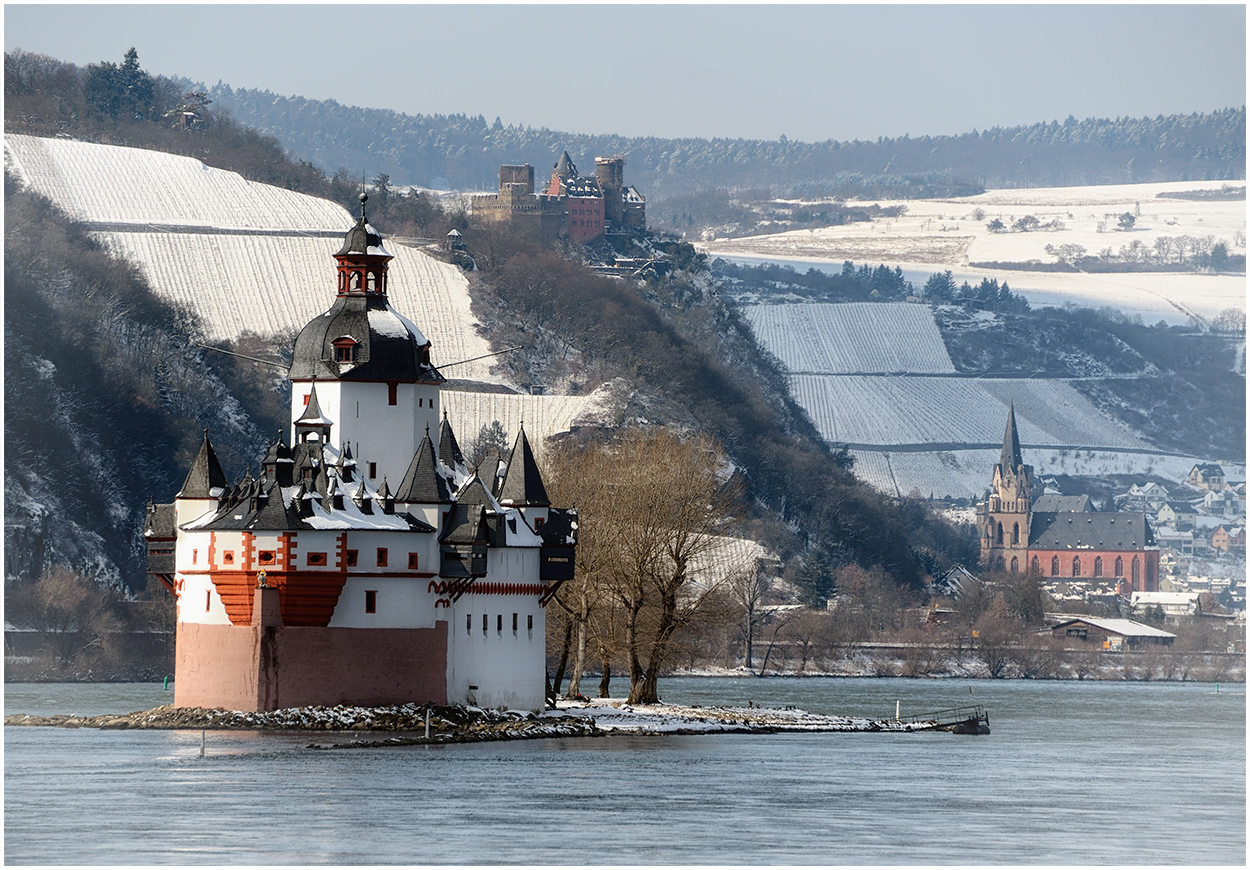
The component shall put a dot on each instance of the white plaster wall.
(506, 667)
(401, 603)
(378, 432)
(194, 590)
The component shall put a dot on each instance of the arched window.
(1076, 566)
(1098, 566)
(1015, 533)
(1054, 566)
(1015, 565)
(1119, 566)
(1136, 571)
(1036, 567)
(999, 538)
(999, 564)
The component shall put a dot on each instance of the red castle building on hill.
(1060, 537)
(366, 564)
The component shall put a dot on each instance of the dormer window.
(345, 349)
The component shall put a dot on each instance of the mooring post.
(427, 723)
(898, 705)
(201, 743)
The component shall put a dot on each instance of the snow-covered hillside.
(252, 257)
(936, 235)
(877, 377)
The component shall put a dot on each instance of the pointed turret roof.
(448, 449)
(565, 166)
(523, 483)
(205, 479)
(422, 484)
(1011, 457)
(312, 412)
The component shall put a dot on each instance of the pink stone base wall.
(271, 667)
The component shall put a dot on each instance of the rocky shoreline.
(459, 724)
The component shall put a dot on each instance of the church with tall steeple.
(1025, 530)
(365, 564)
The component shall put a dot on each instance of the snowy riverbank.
(457, 724)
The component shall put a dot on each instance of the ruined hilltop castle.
(570, 204)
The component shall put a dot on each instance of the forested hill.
(464, 153)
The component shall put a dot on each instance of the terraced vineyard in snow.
(251, 257)
(932, 430)
(856, 337)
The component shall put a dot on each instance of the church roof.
(523, 483)
(205, 479)
(1052, 503)
(1090, 531)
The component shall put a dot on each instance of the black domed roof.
(362, 338)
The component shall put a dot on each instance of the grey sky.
(811, 72)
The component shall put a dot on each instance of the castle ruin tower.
(365, 366)
(1004, 517)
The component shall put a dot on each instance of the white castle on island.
(365, 565)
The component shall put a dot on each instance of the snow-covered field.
(935, 235)
(835, 339)
(251, 257)
(902, 409)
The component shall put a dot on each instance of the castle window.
(485, 623)
(381, 557)
(1119, 566)
(266, 557)
(208, 600)
(352, 557)
(1054, 566)
(412, 561)
(999, 537)
(1136, 571)
(1015, 533)
(468, 623)
(1015, 565)
(344, 350)
(1076, 566)
(514, 623)
(195, 556)
(392, 393)
(371, 601)
(316, 558)
(1000, 565)
(529, 622)
(228, 557)
(1098, 566)
(1036, 566)
(373, 469)
(499, 623)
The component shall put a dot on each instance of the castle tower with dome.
(365, 564)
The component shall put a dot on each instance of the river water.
(1072, 773)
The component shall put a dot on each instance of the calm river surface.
(1073, 773)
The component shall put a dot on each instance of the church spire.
(1011, 457)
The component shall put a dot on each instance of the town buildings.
(364, 564)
